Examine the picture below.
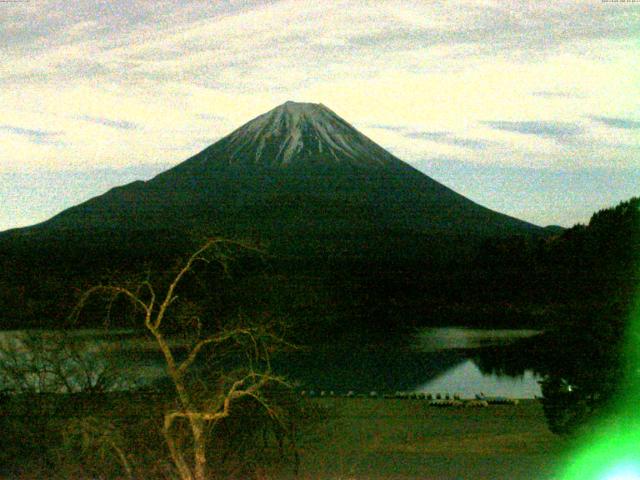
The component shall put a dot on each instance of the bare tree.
(42, 375)
(101, 437)
(57, 362)
(200, 413)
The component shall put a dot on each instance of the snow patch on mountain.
(297, 131)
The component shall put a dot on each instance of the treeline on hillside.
(589, 275)
(597, 259)
(42, 276)
(508, 282)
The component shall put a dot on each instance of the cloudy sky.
(530, 108)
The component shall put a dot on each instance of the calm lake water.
(466, 378)
(436, 360)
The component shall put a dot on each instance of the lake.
(435, 360)
(467, 378)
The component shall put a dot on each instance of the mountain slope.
(305, 181)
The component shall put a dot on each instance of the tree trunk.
(178, 460)
(199, 449)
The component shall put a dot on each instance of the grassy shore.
(355, 439)
(408, 439)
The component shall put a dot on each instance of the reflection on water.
(363, 370)
(435, 339)
(490, 363)
(467, 380)
(443, 360)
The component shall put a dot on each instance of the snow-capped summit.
(301, 134)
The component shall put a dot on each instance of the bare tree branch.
(253, 341)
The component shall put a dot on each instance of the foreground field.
(350, 439)
(408, 439)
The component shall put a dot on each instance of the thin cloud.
(555, 130)
(554, 94)
(210, 116)
(471, 143)
(42, 137)
(390, 128)
(120, 124)
(130, 32)
(427, 135)
(623, 123)
(448, 138)
(500, 26)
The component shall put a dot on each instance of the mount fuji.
(299, 178)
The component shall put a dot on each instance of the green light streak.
(613, 452)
